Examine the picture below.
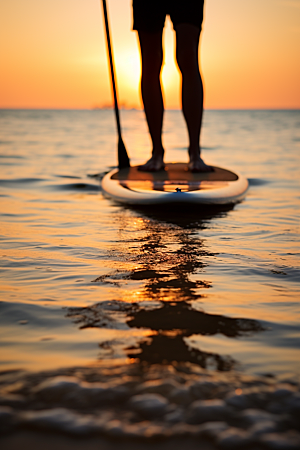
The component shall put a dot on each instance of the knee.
(187, 59)
(152, 64)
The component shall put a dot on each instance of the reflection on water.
(175, 321)
(168, 256)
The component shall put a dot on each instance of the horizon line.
(109, 108)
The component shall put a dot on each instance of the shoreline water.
(35, 440)
(143, 403)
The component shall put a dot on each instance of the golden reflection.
(163, 305)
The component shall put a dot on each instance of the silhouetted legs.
(152, 57)
(187, 43)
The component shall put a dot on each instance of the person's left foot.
(198, 165)
(155, 164)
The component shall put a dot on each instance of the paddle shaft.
(122, 153)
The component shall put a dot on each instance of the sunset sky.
(53, 54)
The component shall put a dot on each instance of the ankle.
(158, 152)
(194, 152)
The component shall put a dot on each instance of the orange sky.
(53, 54)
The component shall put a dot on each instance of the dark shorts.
(149, 15)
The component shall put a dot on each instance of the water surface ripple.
(85, 280)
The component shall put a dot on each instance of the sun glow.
(129, 73)
(55, 55)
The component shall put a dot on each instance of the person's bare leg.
(187, 44)
(152, 56)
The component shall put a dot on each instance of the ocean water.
(88, 282)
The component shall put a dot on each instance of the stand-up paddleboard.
(174, 185)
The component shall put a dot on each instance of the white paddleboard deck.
(174, 184)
